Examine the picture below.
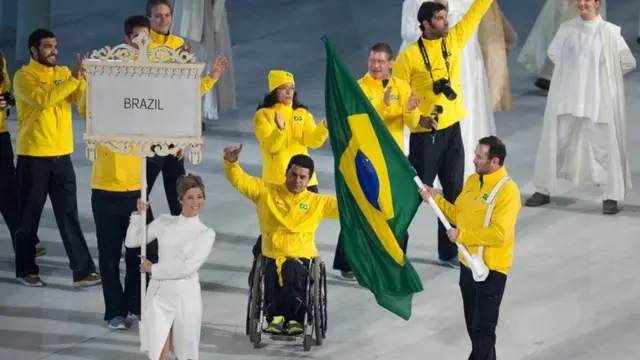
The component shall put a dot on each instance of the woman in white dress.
(475, 86)
(172, 307)
(533, 55)
(584, 132)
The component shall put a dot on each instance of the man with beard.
(44, 93)
(432, 66)
(485, 213)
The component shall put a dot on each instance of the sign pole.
(143, 220)
(134, 94)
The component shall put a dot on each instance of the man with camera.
(431, 66)
(44, 93)
(8, 183)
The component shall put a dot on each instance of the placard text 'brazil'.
(142, 104)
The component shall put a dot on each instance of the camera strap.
(425, 57)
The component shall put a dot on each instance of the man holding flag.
(375, 189)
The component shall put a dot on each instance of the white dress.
(533, 55)
(584, 130)
(173, 301)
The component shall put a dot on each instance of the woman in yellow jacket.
(284, 127)
(8, 181)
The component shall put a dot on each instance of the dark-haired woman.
(284, 127)
(8, 184)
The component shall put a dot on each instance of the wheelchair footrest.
(283, 337)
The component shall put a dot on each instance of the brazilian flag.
(377, 196)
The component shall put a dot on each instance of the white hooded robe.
(584, 129)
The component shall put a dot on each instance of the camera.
(9, 98)
(443, 86)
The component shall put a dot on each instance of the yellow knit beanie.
(278, 78)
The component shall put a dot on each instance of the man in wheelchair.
(289, 215)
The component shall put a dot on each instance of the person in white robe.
(533, 55)
(205, 25)
(172, 307)
(584, 129)
(480, 120)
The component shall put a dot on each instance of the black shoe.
(638, 40)
(91, 280)
(542, 84)
(610, 207)
(347, 275)
(31, 281)
(537, 199)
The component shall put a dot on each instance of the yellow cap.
(278, 78)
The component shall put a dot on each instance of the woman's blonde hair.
(188, 182)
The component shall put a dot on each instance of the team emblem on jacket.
(297, 118)
(57, 82)
(303, 207)
(485, 197)
(395, 97)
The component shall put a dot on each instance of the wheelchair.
(315, 318)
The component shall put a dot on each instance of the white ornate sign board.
(149, 98)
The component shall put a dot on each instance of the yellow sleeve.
(313, 135)
(503, 221)
(447, 208)
(330, 210)
(402, 66)
(270, 137)
(77, 95)
(249, 186)
(464, 29)
(207, 84)
(27, 88)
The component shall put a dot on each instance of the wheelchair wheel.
(249, 303)
(324, 312)
(255, 305)
(306, 343)
(317, 296)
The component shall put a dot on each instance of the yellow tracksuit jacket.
(112, 171)
(395, 116)
(468, 214)
(4, 87)
(278, 146)
(43, 104)
(410, 67)
(288, 222)
(176, 42)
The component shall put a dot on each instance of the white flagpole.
(476, 263)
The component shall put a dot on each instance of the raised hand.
(76, 69)
(279, 121)
(387, 96)
(218, 67)
(232, 153)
